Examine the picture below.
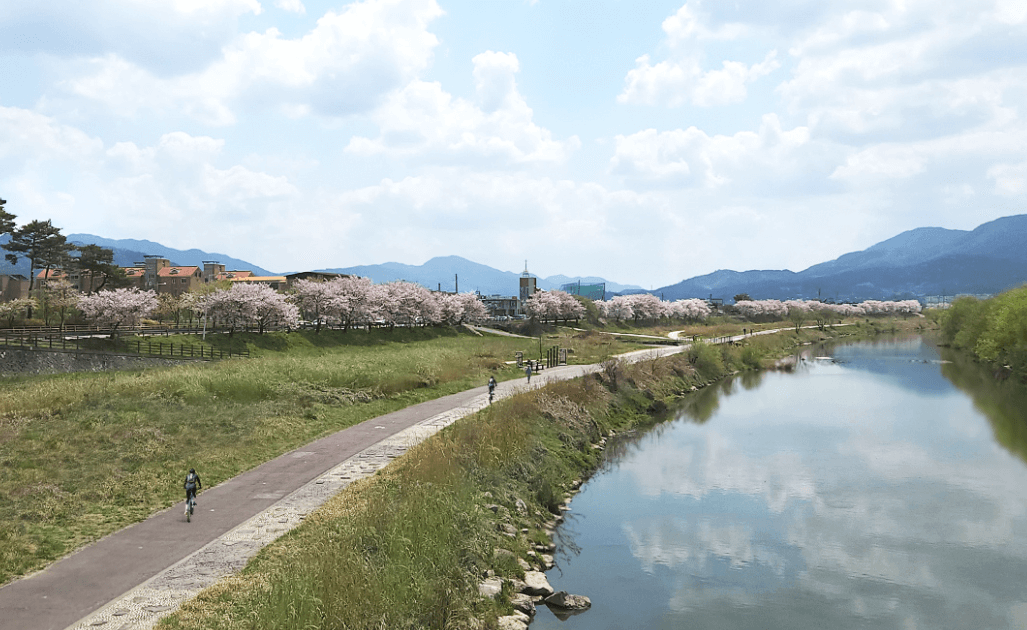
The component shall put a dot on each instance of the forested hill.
(925, 261)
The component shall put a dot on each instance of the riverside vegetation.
(408, 547)
(85, 454)
(994, 331)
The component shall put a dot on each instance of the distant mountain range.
(926, 261)
(452, 272)
(128, 252)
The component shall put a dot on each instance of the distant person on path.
(192, 484)
(527, 372)
(492, 387)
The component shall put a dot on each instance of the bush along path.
(403, 548)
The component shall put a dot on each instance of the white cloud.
(687, 25)
(680, 81)
(344, 65)
(910, 68)
(682, 78)
(292, 6)
(27, 137)
(136, 191)
(767, 161)
(1010, 179)
(424, 121)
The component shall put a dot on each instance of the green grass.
(407, 547)
(85, 454)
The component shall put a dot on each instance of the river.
(863, 490)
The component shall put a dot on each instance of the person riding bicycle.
(192, 484)
(492, 385)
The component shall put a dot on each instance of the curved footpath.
(133, 577)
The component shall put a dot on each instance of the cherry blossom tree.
(169, 305)
(409, 304)
(59, 296)
(117, 308)
(251, 304)
(12, 309)
(619, 308)
(462, 308)
(553, 306)
(692, 309)
(568, 307)
(314, 299)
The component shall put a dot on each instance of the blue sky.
(642, 142)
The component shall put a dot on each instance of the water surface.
(864, 490)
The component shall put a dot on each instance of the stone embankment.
(534, 589)
(17, 361)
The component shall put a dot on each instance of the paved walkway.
(132, 578)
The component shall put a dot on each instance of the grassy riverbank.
(407, 547)
(83, 455)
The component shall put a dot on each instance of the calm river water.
(865, 490)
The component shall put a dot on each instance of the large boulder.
(566, 601)
(536, 583)
(523, 603)
(516, 621)
(491, 587)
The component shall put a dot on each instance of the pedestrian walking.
(527, 372)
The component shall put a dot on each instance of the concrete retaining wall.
(15, 361)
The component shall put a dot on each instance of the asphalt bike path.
(249, 510)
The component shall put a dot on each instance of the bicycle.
(190, 505)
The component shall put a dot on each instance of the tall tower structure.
(528, 284)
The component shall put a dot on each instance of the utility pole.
(456, 283)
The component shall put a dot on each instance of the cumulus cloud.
(912, 69)
(771, 160)
(422, 120)
(677, 82)
(344, 65)
(129, 189)
(1010, 179)
(682, 79)
(27, 137)
(292, 6)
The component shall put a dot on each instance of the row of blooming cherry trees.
(768, 310)
(346, 302)
(553, 306)
(357, 302)
(648, 307)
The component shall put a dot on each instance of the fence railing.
(77, 342)
(143, 331)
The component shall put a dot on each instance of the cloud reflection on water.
(846, 486)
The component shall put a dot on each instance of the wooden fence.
(82, 341)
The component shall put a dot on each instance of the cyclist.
(492, 387)
(192, 484)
